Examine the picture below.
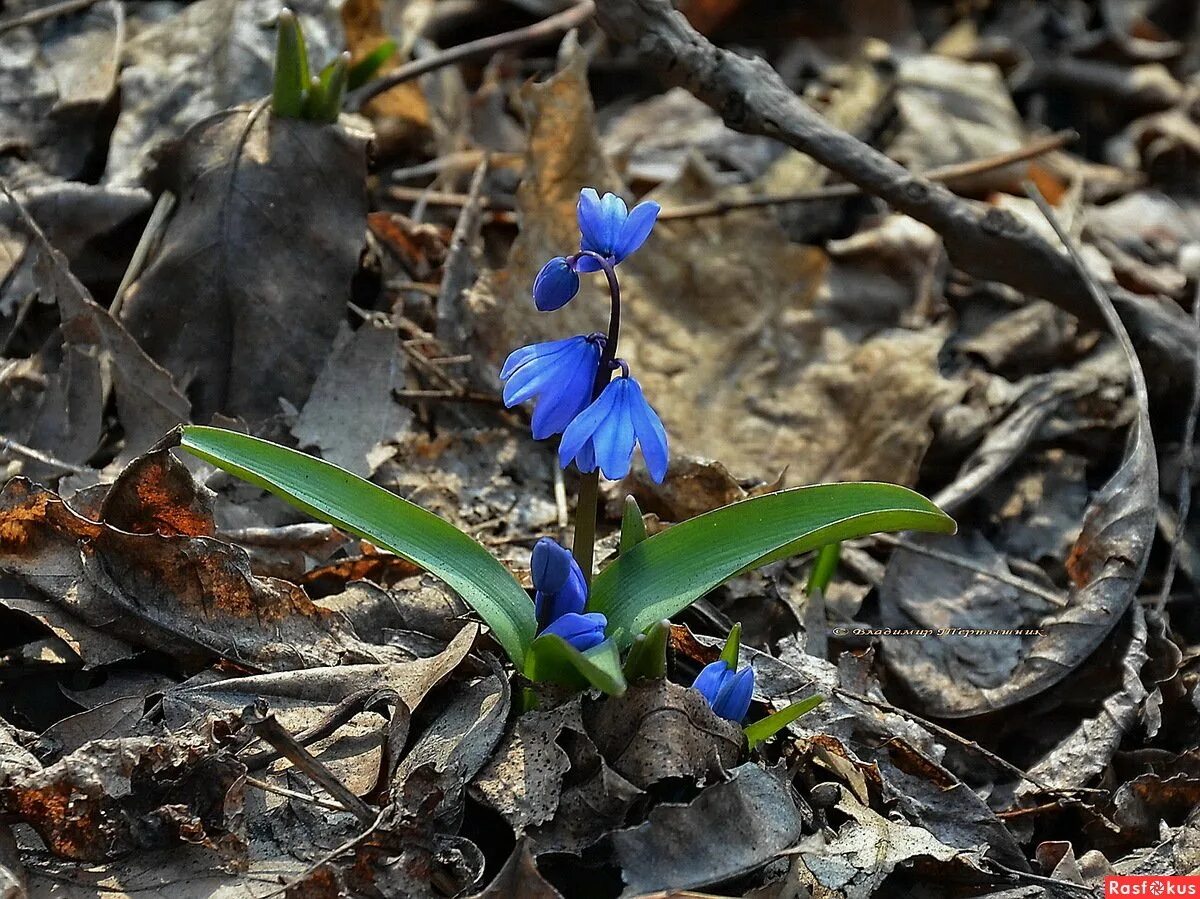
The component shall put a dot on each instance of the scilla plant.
(585, 629)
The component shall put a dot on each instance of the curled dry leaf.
(245, 327)
(659, 729)
(191, 596)
(519, 877)
(112, 797)
(742, 824)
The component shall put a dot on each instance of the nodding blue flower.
(558, 581)
(610, 229)
(581, 631)
(727, 691)
(555, 285)
(559, 373)
(606, 432)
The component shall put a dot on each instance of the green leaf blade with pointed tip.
(665, 573)
(354, 504)
(552, 659)
(768, 727)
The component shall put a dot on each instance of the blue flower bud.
(727, 691)
(581, 631)
(606, 432)
(555, 285)
(558, 579)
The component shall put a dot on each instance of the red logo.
(1151, 885)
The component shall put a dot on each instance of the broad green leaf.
(768, 727)
(364, 70)
(823, 568)
(672, 569)
(633, 528)
(733, 644)
(360, 507)
(291, 67)
(647, 658)
(553, 659)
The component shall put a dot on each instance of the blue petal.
(636, 228)
(651, 434)
(551, 564)
(548, 371)
(560, 404)
(712, 678)
(733, 701)
(591, 221)
(614, 212)
(581, 631)
(587, 264)
(614, 437)
(580, 431)
(585, 459)
(521, 356)
(555, 285)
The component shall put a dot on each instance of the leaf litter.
(153, 609)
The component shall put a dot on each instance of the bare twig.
(266, 727)
(54, 10)
(460, 267)
(267, 787)
(146, 245)
(1038, 147)
(558, 23)
(986, 242)
(20, 449)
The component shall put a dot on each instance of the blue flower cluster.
(601, 419)
(561, 597)
(727, 691)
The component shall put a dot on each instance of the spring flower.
(559, 373)
(727, 691)
(559, 582)
(606, 432)
(607, 228)
(581, 631)
(556, 285)
(610, 229)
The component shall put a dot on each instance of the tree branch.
(988, 243)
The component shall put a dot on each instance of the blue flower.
(727, 691)
(610, 229)
(555, 285)
(560, 374)
(559, 582)
(606, 431)
(581, 631)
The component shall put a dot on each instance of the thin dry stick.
(329, 856)
(560, 23)
(1038, 147)
(20, 449)
(33, 17)
(1056, 599)
(266, 727)
(295, 794)
(147, 243)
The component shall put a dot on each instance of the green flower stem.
(584, 547)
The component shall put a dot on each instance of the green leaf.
(551, 658)
(291, 67)
(823, 568)
(647, 658)
(328, 91)
(768, 727)
(360, 507)
(364, 70)
(633, 528)
(667, 572)
(733, 643)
